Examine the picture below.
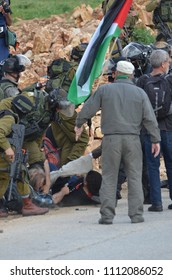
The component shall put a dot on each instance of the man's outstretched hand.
(78, 132)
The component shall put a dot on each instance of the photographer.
(5, 20)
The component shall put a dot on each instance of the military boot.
(3, 210)
(30, 209)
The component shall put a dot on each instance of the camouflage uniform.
(62, 127)
(34, 145)
(61, 78)
(5, 129)
(13, 66)
(64, 135)
(164, 10)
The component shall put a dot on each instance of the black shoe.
(118, 195)
(155, 208)
(147, 201)
(105, 222)
(170, 206)
(164, 184)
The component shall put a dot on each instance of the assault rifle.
(20, 159)
(20, 155)
(15, 169)
(166, 32)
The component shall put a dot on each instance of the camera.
(5, 7)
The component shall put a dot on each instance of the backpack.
(159, 92)
(37, 121)
(61, 73)
(51, 153)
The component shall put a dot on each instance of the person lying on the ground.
(83, 165)
(67, 191)
(83, 190)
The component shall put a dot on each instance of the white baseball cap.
(125, 67)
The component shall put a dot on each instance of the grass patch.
(31, 9)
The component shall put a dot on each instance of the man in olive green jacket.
(125, 108)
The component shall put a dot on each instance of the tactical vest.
(165, 11)
(37, 121)
(4, 84)
(10, 113)
(61, 76)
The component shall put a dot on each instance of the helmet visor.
(131, 51)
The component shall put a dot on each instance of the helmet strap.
(15, 76)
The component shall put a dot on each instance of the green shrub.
(142, 35)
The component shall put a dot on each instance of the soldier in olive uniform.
(9, 82)
(61, 71)
(62, 128)
(128, 25)
(12, 69)
(60, 113)
(11, 110)
(162, 17)
(37, 121)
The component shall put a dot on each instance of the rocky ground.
(44, 40)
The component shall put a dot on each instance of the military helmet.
(22, 104)
(78, 51)
(58, 99)
(138, 54)
(136, 51)
(16, 64)
(12, 65)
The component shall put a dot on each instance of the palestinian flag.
(90, 66)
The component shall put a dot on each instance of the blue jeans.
(166, 149)
(153, 165)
